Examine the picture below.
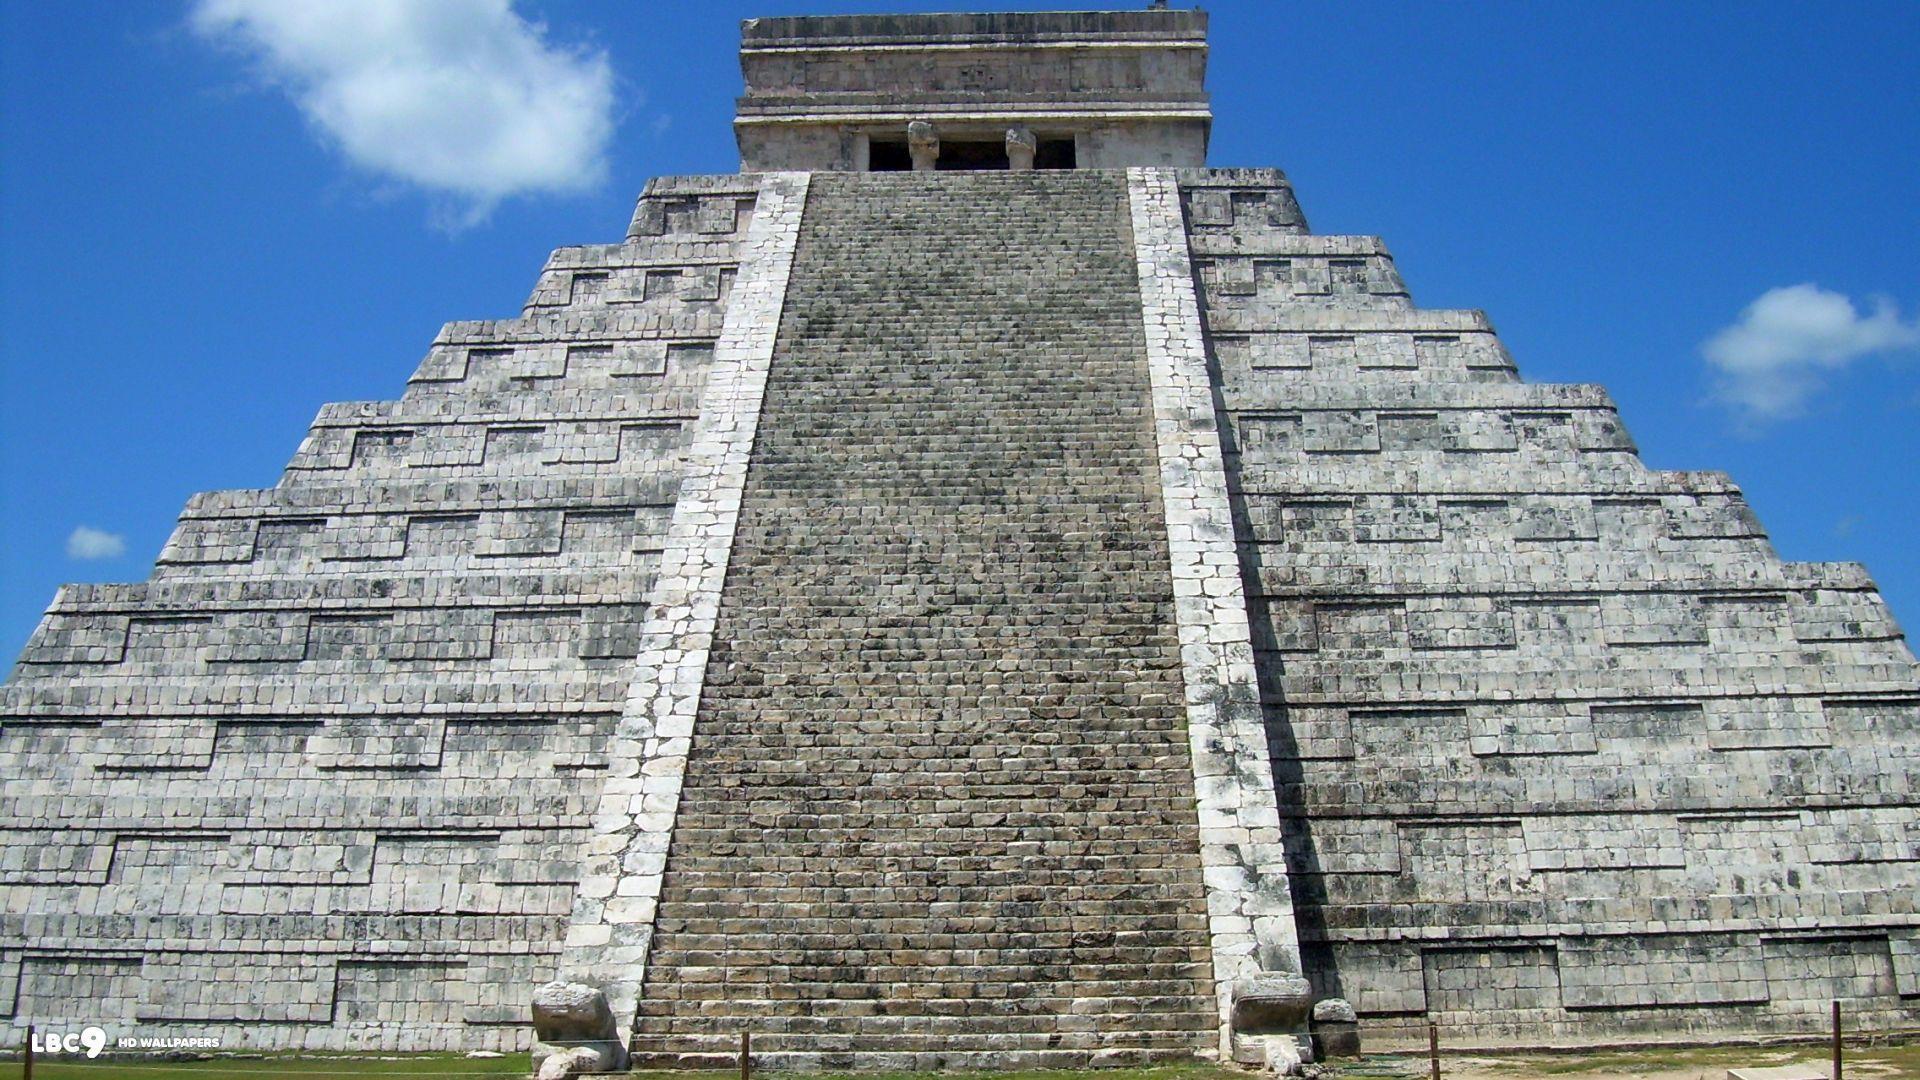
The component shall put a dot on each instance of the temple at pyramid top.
(1078, 89)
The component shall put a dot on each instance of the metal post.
(746, 1055)
(26, 1068)
(1836, 1040)
(1433, 1048)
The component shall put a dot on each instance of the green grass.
(512, 1065)
(235, 1066)
(1193, 1071)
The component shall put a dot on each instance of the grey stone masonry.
(1563, 751)
(613, 918)
(1249, 904)
(939, 809)
(972, 617)
(326, 779)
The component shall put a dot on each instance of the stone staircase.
(940, 808)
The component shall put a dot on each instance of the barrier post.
(1836, 1041)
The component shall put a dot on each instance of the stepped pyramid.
(977, 587)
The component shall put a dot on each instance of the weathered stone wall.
(1564, 750)
(939, 808)
(946, 754)
(326, 779)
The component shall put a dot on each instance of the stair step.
(939, 807)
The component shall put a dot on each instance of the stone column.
(1020, 148)
(1262, 996)
(612, 925)
(923, 143)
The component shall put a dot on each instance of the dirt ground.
(1901, 1062)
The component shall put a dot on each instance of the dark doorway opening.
(888, 156)
(1054, 154)
(972, 156)
(891, 155)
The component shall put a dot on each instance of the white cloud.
(460, 97)
(87, 542)
(1770, 362)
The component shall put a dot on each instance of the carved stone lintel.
(576, 1031)
(923, 144)
(1020, 148)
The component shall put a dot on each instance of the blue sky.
(206, 231)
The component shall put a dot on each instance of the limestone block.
(576, 1061)
(1281, 1055)
(1271, 1002)
(923, 144)
(574, 1022)
(1020, 148)
(1336, 1029)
